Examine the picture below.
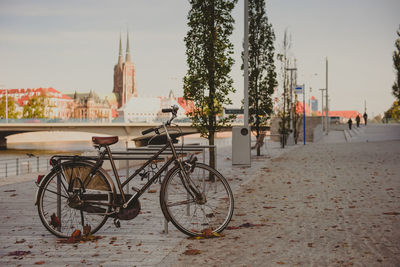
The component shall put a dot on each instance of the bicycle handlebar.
(148, 131)
(173, 110)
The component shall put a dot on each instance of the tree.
(262, 75)
(393, 112)
(396, 64)
(209, 58)
(11, 108)
(36, 107)
(284, 113)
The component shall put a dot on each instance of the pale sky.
(73, 45)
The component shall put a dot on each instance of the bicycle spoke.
(70, 213)
(210, 210)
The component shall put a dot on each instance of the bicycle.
(78, 194)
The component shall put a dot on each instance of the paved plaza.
(331, 203)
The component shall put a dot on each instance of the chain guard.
(130, 212)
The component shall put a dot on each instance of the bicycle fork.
(189, 184)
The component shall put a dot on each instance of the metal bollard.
(37, 164)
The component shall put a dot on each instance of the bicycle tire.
(189, 217)
(63, 221)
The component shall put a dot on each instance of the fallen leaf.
(20, 241)
(40, 262)
(192, 252)
(267, 207)
(152, 191)
(19, 253)
(86, 229)
(76, 234)
(392, 213)
(55, 222)
(207, 233)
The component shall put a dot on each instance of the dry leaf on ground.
(192, 252)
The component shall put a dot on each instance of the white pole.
(246, 63)
(326, 102)
(6, 105)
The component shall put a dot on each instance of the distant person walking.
(365, 118)
(350, 122)
(358, 119)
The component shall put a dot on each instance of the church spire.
(120, 51)
(128, 55)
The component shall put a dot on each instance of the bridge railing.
(22, 166)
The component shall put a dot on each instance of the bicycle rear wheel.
(196, 217)
(70, 198)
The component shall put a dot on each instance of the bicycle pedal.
(117, 223)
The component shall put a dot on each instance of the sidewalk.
(139, 242)
(327, 204)
(323, 205)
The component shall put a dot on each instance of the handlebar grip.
(166, 110)
(147, 131)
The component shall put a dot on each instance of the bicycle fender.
(40, 186)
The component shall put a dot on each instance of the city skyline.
(73, 45)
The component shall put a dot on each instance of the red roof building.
(58, 105)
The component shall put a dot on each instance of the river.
(50, 143)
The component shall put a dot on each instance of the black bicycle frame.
(151, 180)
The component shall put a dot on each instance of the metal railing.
(21, 166)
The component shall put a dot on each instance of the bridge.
(125, 131)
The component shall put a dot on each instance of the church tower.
(124, 76)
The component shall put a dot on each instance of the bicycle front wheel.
(72, 197)
(192, 216)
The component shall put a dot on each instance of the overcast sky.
(73, 45)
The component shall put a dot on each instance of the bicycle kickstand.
(117, 223)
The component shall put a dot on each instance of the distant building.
(58, 105)
(343, 116)
(148, 109)
(314, 104)
(124, 77)
(91, 107)
(299, 107)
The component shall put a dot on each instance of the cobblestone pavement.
(139, 242)
(326, 204)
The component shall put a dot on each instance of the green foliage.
(394, 112)
(262, 75)
(11, 106)
(36, 107)
(209, 58)
(396, 64)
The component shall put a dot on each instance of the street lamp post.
(246, 66)
(327, 104)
